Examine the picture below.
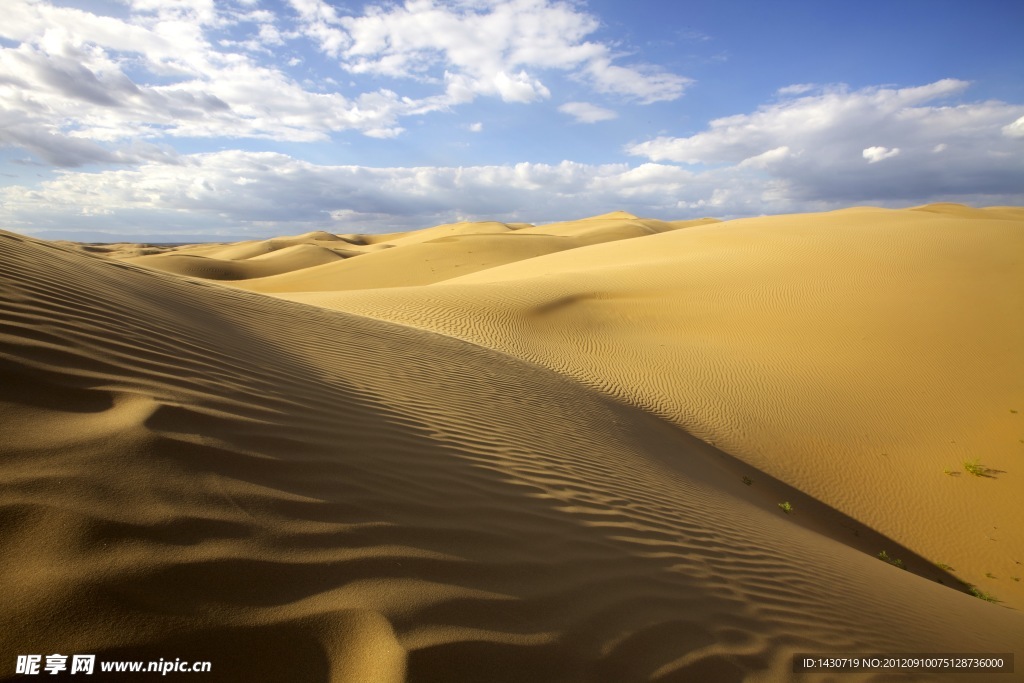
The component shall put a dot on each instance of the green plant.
(786, 507)
(748, 481)
(884, 556)
(990, 575)
(945, 567)
(976, 468)
(978, 593)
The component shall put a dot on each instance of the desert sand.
(507, 452)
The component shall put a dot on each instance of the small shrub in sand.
(978, 593)
(884, 556)
(976, 468)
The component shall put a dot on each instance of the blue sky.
(193, 119)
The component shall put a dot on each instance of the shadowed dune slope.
(857, 355)
(297, 494)
(247, 250)
(287, 259)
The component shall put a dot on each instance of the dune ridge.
(419, 257)
(300, 492)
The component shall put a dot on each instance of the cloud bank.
(819, 151)
(77, 87)
(813, 142)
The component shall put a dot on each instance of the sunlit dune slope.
(1015, 213)
(618, 225)
(397, 239)
(419, 257)
(417, 263)
(857, 355)
(298, 494)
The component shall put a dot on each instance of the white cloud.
(321, 23)
(796, 89)
(766, 159)
(827, 136)
(519, 87)
(814, 121)
(203, 12)
(876, 154)
(584, 112)
(1015, 129)
(478, 45)
(644, 84)
(79, 86)
(269, 35)
(476, 127)
(66, 94)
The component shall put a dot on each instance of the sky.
(189, 120)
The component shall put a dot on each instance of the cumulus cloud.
(1015, 129)
(813, 145)
(585, 112)
(67, 81)
(806, 121)
(85, 84)
(482, 47)
(876, 154)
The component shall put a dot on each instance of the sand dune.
(247, 250)
(416, 263)
(855, 355)
(419, 257)
(287, 259)
(611, 227)
(531, 472)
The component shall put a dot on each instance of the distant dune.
(612, 449)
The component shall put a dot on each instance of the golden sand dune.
(1015, 213)
(284, 260)
(611, 227)
(370, 242)
(856, 355)
(396, 239)
(247, 250)
(302, 494)
(416, 263)
(393, 260)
